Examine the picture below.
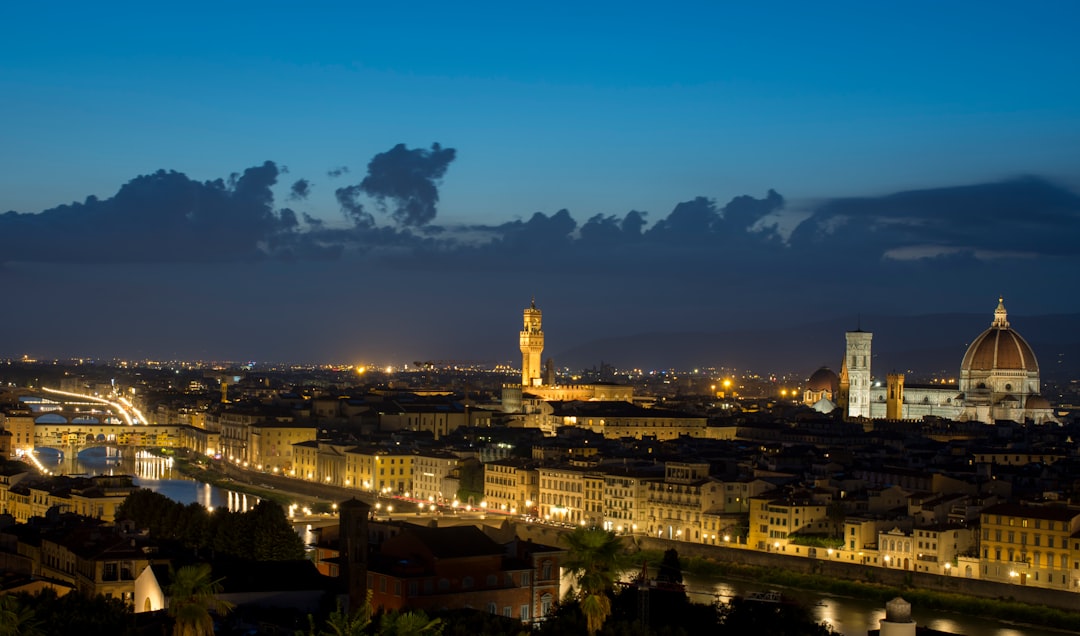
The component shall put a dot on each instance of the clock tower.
(532, 346)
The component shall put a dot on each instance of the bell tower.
(858, 369)
(894, 399)
(532, 346)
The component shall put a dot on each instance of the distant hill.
(916, 344)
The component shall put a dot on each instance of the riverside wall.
(550, 535)
(290, 485)
(835, 569)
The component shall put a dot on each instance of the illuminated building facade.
(999, 380)
(532, 347)
(1031, 545)
(539, 386)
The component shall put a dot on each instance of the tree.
(343, 623)
(470, 480)
(192, 598)
(409, 624)
(592, 558)
(743, 616)
(17, 619)
(73, 613)
(670, 567)
(271, 536)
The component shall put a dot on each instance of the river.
(854, 617)
(151, 472)
(848, 616)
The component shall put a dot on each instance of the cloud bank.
(248, 277)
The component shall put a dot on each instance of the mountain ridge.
(922, 345)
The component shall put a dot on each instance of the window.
(467, 583)
(524, 613)
(493, 608)
(545, 605)
(524, 579)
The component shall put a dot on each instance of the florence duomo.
(999, 381)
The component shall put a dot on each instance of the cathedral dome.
(824, 379)
(1037, 402)
(999, 348)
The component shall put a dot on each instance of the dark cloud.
(349, 198)
(1007, 219)
(405, 182)
(164, 216)
(334, 173)
(741, 214)
(540, 233)
(987, 237)
(702, 267)
(633, 223)
(690, 221)
(300, 190)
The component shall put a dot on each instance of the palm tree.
(17, 619)
(593, 559)
(343, 623)
(410, 624)
(192, 598)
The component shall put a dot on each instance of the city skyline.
(317, 186)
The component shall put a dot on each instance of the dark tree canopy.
(262, 533)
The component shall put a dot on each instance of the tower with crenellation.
(532, 346)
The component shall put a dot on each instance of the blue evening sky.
(596, 107)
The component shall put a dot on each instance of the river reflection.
(848, 616)
(150, 472)
(855, 617)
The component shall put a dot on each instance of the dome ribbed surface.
(999, 349)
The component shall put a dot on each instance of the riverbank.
(1000, 608)
(851, 582)
(203, 470)
(285, 491)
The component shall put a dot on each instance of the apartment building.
(1030, 545)
(512, 485)
(430, 469)
(774, 519)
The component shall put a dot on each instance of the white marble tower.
(857, 359)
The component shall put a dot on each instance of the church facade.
(999, 380)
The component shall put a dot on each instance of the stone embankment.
(834, 569)
(550, 535)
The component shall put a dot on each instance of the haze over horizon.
(316, 186)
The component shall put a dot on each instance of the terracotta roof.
(997, 349)
(824, 379)
(1053, 513)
